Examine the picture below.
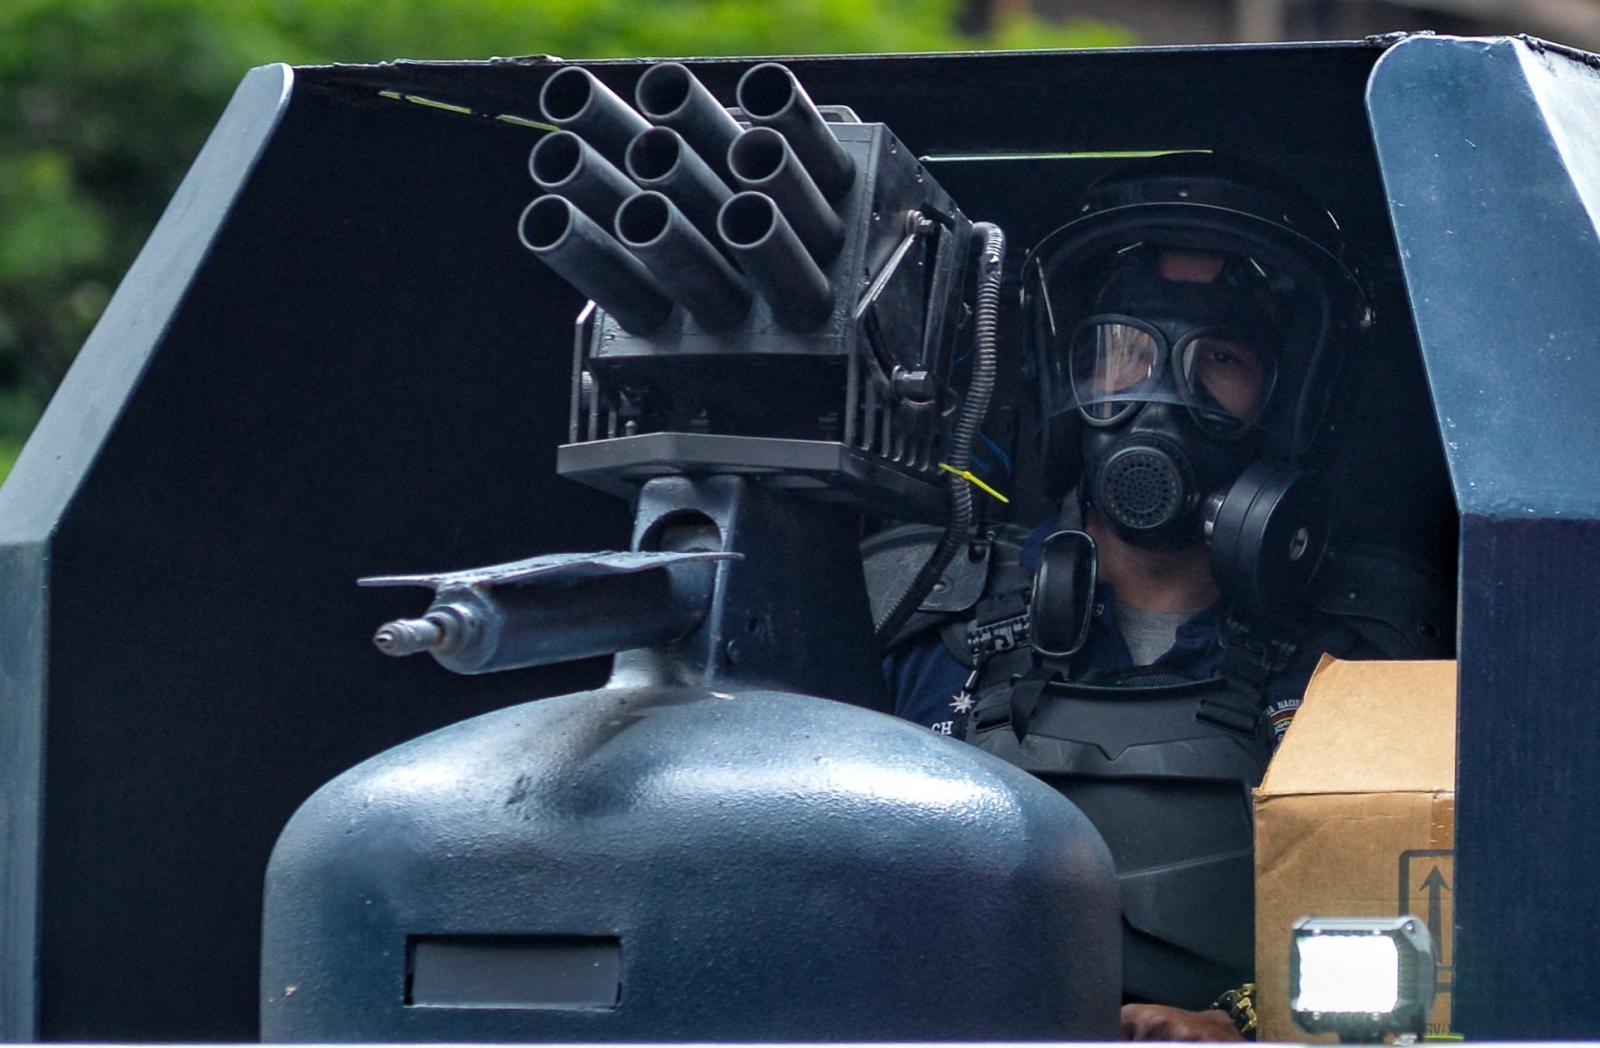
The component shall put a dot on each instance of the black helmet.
(1282, 273)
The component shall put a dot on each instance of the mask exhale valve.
(1145, 489)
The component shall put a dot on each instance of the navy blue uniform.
(930, 684)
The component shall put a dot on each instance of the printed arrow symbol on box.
(1435, 886)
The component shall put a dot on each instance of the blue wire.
(1005, 460)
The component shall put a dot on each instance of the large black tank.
(678, 863)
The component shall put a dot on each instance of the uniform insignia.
(1279, 715)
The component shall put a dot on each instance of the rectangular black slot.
(513, 971)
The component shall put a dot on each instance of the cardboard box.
(1356, 818)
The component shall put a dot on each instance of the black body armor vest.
(1164, 772)
(1162, 766)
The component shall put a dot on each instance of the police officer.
(1188, 329)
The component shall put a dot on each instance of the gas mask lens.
(1226, 381)
(1114, 366)
(1119, 363)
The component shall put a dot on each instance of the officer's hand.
(1157, 1022)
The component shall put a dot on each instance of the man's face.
(1222, 374)
(1229, 370)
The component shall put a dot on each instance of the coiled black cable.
(980, 389)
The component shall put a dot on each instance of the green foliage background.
(103, 103)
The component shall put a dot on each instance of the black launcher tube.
(777, 264)
(685, 263)
(589, 259)
(770, 96)
(659, 159)
(763, 162)
(669, 95)
(573, 100)
(565, 164)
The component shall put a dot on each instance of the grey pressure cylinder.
(762, 162)
(669, 95)
(563, 163)
(685, 263)
(591, 260)
(661, 160)
(777, 264)
(481, 630)
(770, 96)
(572, 99)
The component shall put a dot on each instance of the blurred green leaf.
(19, 410)
(8, 456)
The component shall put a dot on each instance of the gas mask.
(1170, 376)
(1187, 332)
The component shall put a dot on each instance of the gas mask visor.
(1110, 364)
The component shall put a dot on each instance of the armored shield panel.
(1490, 153)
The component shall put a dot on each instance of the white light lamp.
(1361, 977)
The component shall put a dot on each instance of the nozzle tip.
(407, 636)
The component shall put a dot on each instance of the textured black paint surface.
(1526, 809)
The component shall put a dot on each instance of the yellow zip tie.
(967, 475)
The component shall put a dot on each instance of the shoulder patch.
(1279, 714)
